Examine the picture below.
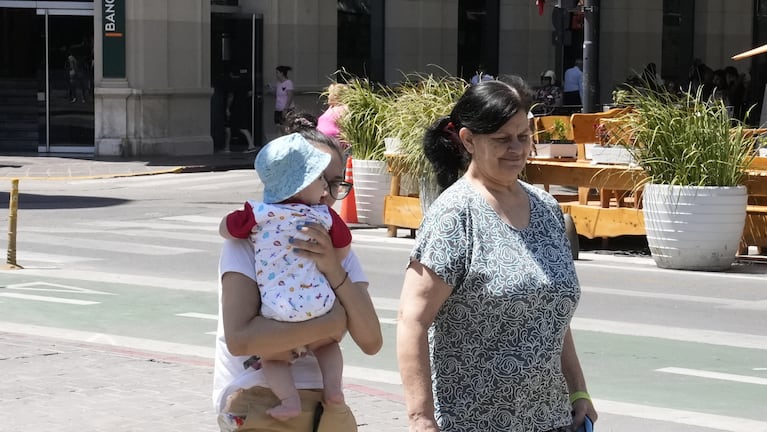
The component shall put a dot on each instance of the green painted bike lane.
(618, 367)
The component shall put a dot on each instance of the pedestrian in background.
(549, 94)
(483, 334)
(573, 84)
(283, 94)
(327, 123)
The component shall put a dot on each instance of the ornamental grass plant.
(418, 102)
(684, 140)
(362, 125)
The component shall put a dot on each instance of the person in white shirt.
(241, 395)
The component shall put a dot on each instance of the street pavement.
(53, 383)
(67, 386)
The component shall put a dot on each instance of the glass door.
(19, 81)
(66, 95)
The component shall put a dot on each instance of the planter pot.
(372, 182)
(392, 145)
(608, 155)
(763, 152)
(556, 150)
(694, 227)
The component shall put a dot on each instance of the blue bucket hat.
(287, 165)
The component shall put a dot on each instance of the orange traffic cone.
(349, 204)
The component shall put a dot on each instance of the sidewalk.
(70, 386)
(33, 166)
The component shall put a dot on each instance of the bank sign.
(113, 38)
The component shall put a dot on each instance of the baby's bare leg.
(332, 366)
(277, 374)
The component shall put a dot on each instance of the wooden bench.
(755, 231)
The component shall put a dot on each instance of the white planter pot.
(694, 227)
(554, 150)
(392, 145)
(372, 182)
(763, 152)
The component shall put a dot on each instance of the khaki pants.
(249, 406)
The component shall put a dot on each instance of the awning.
(751, 52)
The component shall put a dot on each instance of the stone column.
(162, 106)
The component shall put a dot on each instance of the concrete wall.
(723, 28)
(163, 104)
(419, 34)
(631, 35)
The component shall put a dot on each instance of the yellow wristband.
(580, 395)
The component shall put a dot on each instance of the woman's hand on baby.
(318, 248)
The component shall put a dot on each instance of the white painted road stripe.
(23, 256)
(374, 375)
(107, 339)
(691, 418)
(106, 277)
(106, 245)
(724, 302)
(204, 220)
(385, 303)
(248, 184)
(714, 375)
(651, 268)
(48, 299)
(155, 226)
(738, 340)
(198, 315)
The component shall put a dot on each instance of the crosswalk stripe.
(48, 299)
(106, 245)
(725, 303)
(712, 337)
(133, 232)
(165, 180)
(109, 277)
(714, 375)
(155, 226)
(691, 418)
(193, 219)
(24, 256)
(251, 185)
(198, 315)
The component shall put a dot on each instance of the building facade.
(141, 77)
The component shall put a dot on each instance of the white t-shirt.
(281, 95)
(229, 374)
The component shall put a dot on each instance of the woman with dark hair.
(241, 394)
(483, 333)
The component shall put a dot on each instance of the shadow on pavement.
(45, 202)
(622, 245)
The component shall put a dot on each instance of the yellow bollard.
(13, 207)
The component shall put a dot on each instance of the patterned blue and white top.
(496, 343)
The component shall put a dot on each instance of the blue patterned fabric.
(496, 342)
